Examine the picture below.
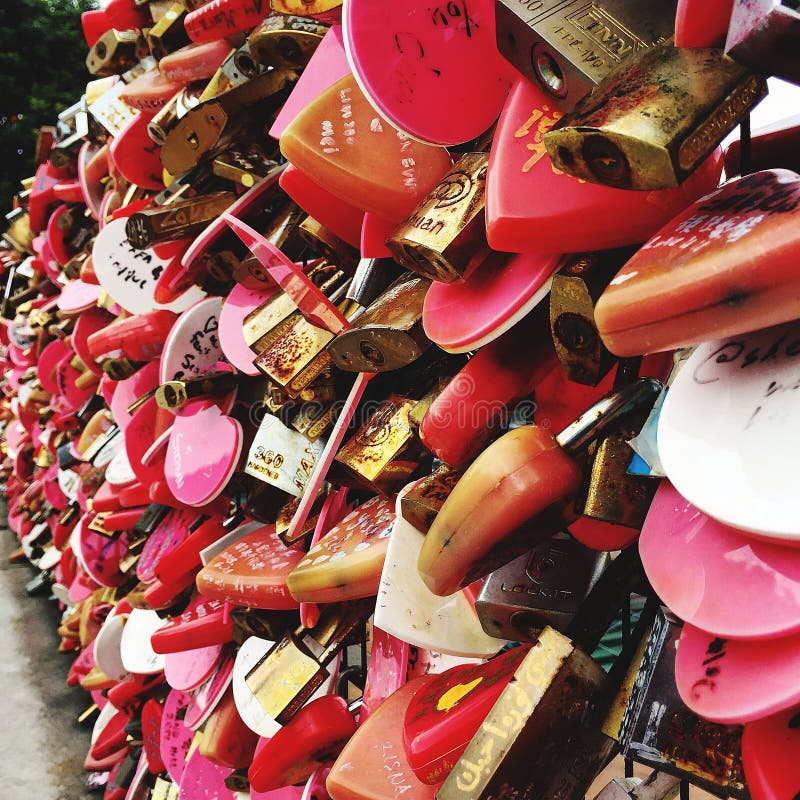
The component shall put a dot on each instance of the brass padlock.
(18, 234)
(282, 457)
(651, 122)
(215, 125)
(328, 245)
(115, 52)
(543, 737)
(169, 33)
(422, 503)
(285, 515)
(610, 493)
(543, 587)
(285, 41)
(294, 668)
(174, 109)
(297, 357)
(174, 394)
(314, 419)
(389, 334)
(576, 288)
(567, 47)
(445, 238)
(244, 166)
(182, 219)
(264, 324)
(764, 35)
(658, 730)
(383, 454)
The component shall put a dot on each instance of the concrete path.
(42, 746)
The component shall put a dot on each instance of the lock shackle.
(599, 418)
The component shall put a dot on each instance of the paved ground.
(42, 746)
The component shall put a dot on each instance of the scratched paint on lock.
(176, 736)
(432, 69)
(252, 571)
(346, 563)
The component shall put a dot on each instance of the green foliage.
(42, 72)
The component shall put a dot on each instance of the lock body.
(569, 47)
(658, 730)
(543, 587)
(631, 134)
(444, 239)
(538, 739)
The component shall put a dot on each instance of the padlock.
(179, 220)
(297, 357)
(169, 33)
(167, 117)
(328, 245)
(610, 493)
(679, 104)
(285, 41)
(764, 36)
(447, 561)
(444, 715)
(389, 334)
(576, 288)
(115, 52)
(383, 453)
(313, 738)
(294, 668)
(476, 404)
(174, 394)
(445, 238)
(346, 563)
(543, 587)
(244, 166)
(543, 737)
(226, 740)
(215, 125)
(270, 321)
(658, 730)
(314, 419)
(19, 235)
(388, 176)
(656, 786)
(718, 286)
(422, 503)
(282, 457)
(568, 47)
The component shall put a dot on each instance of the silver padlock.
(543, 587)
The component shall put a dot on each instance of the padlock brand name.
(539, 590)
(606, 32)
(721, 120)
(424, 223)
